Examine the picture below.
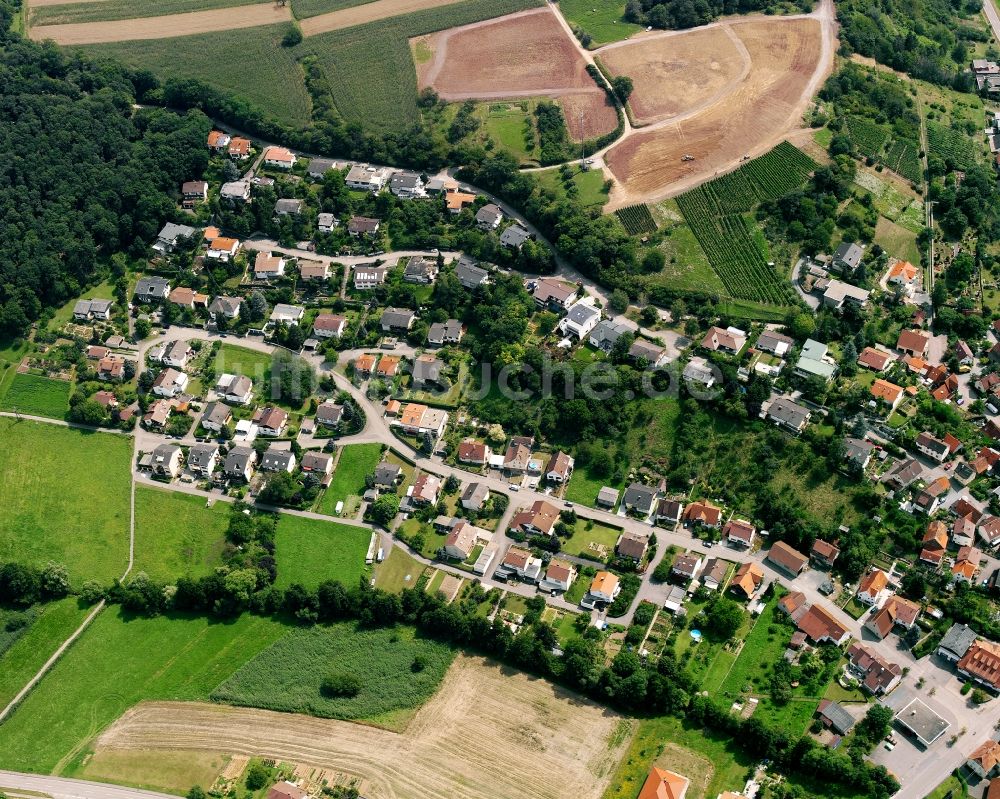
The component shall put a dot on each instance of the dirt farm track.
(489, 733)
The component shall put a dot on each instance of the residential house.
(663, 784)
(226, 307)
(457, 201)
(245, 431)
(581, 318)
(203, 458)
(539, 519)
(235, 191)
(518, 455)
(363, 226)
(387, 475)
(876, 360)
(422, 271)
(702, 513)
(277, 459)
(489, 217)
(218, 141)
(903, 474)
(604, 588)
(407, 185)
(686, 566)
(328, 325)
(240, 463)
(95, 352)
(643, 351)
(329, 414)
(106, 399)
(788, 415)
(848, 257)
(873, 589)
(396, 320)
(747, 580)
(369, 277)
(222, 249)
(838, 294)
(521, 563)
(820, 626)
(896, 612)
(235, 389)
(441, 185)
(964, 354)
(388, 366)
(239, 148)
(157, 415)
(111, 367)
(932, 447)
(166, 461)
(886, 392)
(427, 371)
(318, 167)
(216, 416)
(284, 314)
(981, 665)
(786, 559)
(474, 496)
(913, 342)
(699, 371)
(286, 790)
(469, 274)
(930, 499)
(963, 530)
(714, 574)
(904, 275)
(326, 222)
(270, 420)
(731, 340)
(814, 361)
(984, 761)
(152, 289)
(86, 310)
(187, 297)
(442, 333)
(559, 576)
(461, 540)
(177, 354)
(632, 546)
(279, 157)
(639, 499)
(793, 605)
(989, 531)
(420, 420)
(267, 266)
(559, 468)
(472, 451)
(556, 295)
(514, 237)
(193, 191)
(834, 717)
(775, 343)
(967, 563)
(317, 463)
(739, 532)
(824, 554)
(167, 240)
(314, 270)
(169, 383)
(669, 510)
(858, 452)
(607, 497)
(606, 333)
(877, 675)
(956, 642)
(366, 178)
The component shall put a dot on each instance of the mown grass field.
(511, 127)
(107, 10)
(687, 266)
(28, 653)
(241, 361)
(602, 19)
(249, 63)
(287, 676)
(370, 67)
(590, 191)
(35, 395)
(356, 462)
(176, 535)
(310, 551)
(115, 664)
(64, 496)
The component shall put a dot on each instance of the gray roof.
(386, 474)
(607, 495)
(405, 180)
(470, 275)
(857, 449)
(788, 412)
(320, 166)
(171, 232)
(639, 496)
(645, 349)
(165, 451)
(235, 190)
(288, 206)
(444, 331)
(329, 413)
(608, 332)
(152, 285)
(200, 454)
(839, 719)
(419, 267)
(489, 214)
(958, 639)
(514, 236)
(396, 318)
(849, 253)
(326, 219)
(216, 412)
(238, 458)
(581, 313)
(312, 460)
(475, 492)
(425, 371)
(276, 459)
(225, 305)
(769, 341)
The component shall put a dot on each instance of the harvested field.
(109, 10)
(367, 12)
(527, 54)
(677, 73)
(43, 3)
(489, 733)
(164, 27)
(787, 62)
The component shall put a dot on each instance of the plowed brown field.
(527, 54)
(489, 733)
(753, 117)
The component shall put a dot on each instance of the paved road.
(35, 785)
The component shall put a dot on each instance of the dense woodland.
(691, 13)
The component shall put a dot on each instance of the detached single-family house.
(277, 459)
(838, 294)
(396, 320)
(747, 580)
(643, 351)
(284, 314)
(170, 383)
(469, 274)
(279, 157)
(775, 343)
(933, 448)
(271, 421)
(731, 340)
(86, 310)
(714, 574)
(848, 257)
(457, 201)
(788, 415)
(326, 222)
(556, 295)
(216, 416)
(419, 420)
(422, 271)
(329, 414)
(539, 519)
(580, 319)
(814, 361)
(632, 546)
(514, 237)
(235, 389)
(702, 513)
(226, 307)
(166, 461)
(441, 333)
(157, 415)
(222, 248)
(873, 589)
(240, 463)
(218, 141)
(328, 325)
(559, 576)
(239, 148)
(314, 270)
(981, 665)
(427, 371)
(984, 761)
(820, 626)
(876, 360)
(877, 675)
(369, 277)
(387, 475)
(407, 185)
(559, 468)
(670, 511)
(152, 289)
(475, 496)
(896, 612)
(203, 458)
(686, 566)
(886, 392)
(786, 559)
(169, 237)
(363, 226)
(187, 297)
(606, 333)
(366, 178)
(267, 266)
(235, 191)
(317, 463)
(604, 588)
(177, 354)
(739, 532)
(472, 451)
(913, 342)
(289, 207)
(858, 452)
(521, 563)
(489, 217)
(824, 554)
(903, 274)
(194, 191)
(639, 499)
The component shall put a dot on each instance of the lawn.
(589, 185)
(309, 551)
(57, 506)
(105, 290)
(176, 535)
(511, 126)
(288, 675)
(897, 240)
(107, 10)
(28, 653)
(952, 787)
(241, 361)
(583, 487)
(399, 570)
(34, 395)
(587, 532)
(687, 265)
(356, 462)
(578, 589)
(248, 63)
(115, 664)
(602, 19)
